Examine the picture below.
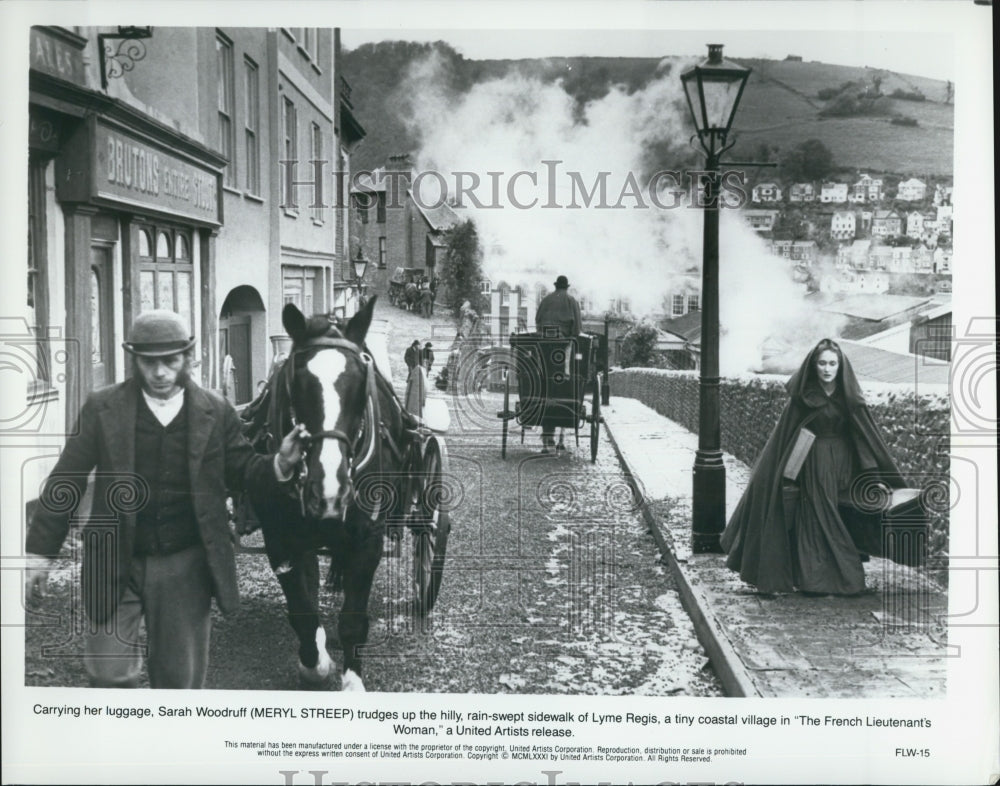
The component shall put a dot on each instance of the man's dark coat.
(220, 461)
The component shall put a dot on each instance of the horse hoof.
(350, 681)
(321, 671)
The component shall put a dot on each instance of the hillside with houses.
(857, 197)
(872, 235)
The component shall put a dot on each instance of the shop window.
(38, 283)
(96, 348)
(381, 253)
(166, 277)
(181, 248)
(101, 315)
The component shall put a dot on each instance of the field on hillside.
(810, 78)
(780, 107)
(865, 143)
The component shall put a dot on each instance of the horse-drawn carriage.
(556, 376)
(407, 286)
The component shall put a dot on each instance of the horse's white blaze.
(351, 681)
(328, 367)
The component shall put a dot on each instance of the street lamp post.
(713, 89)
(360, 263)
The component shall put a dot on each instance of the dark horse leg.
(359, 573)
(299, 580)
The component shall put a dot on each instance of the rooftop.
(872, 364)
(438, 217)
(873, 307)
(688, 326)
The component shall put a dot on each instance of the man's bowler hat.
(157, 334)
(562, 283)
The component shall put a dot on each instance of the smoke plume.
(622, 246)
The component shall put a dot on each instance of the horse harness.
(365, 445)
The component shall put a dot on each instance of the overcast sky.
(918, 53)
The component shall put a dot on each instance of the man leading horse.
(180, 450)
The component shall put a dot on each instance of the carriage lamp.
(713, 89)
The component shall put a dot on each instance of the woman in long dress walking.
(791, 534)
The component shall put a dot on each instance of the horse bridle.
(369, 431)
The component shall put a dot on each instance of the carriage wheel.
(506, 415)
(430, 534)
(595, 420)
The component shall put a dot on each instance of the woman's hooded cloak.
(757, 538)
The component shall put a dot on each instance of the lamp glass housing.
(713, 89)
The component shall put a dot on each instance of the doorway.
(234, 349)
(242, 345)
(102, 357)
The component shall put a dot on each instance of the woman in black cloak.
(815, 551)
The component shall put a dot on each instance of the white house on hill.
(833, 192)
(911, 190)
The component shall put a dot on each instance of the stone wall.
(916, 428)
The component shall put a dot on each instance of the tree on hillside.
(639, 347)
(810, 160)
(461, 271)
(877, 78)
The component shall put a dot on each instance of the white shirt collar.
(165, 409)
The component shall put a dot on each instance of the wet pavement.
(889, 643)
(553, 583)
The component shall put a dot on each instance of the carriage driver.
(171, 553)
(558, 310)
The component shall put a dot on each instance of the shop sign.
(57, 57)
(129, 170)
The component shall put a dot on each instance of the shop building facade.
(154, 180)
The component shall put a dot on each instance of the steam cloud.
(518, 122)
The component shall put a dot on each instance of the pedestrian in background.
(427, 356)
(434, 293)
(182, 446)
(558, 313)
(787, 531)
(426, 303)
(416, 391)
(412, 357)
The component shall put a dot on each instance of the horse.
(339, 499)
(411, 296)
